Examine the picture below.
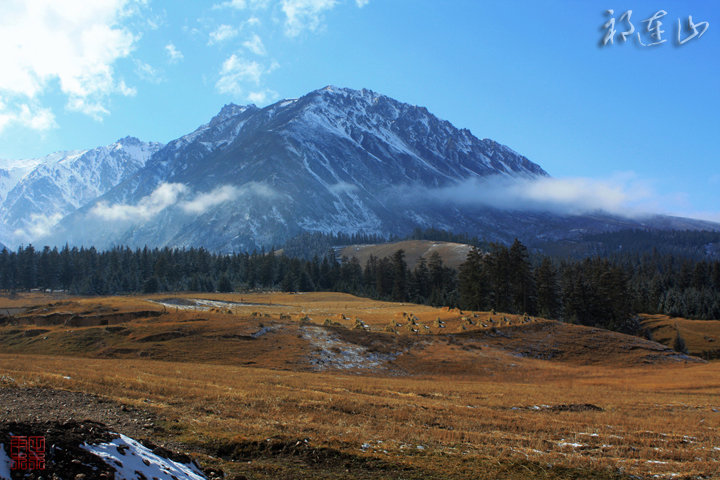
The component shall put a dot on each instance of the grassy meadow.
(333, 386)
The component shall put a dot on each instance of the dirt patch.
(565, 407)
(31, 404)
(302, 449)
(34, 332)
(75, 320)
(63, 456)
(89, 450)
(164, 336)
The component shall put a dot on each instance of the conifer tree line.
(605, 292)
(123, 270)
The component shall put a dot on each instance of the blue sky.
(638, 124)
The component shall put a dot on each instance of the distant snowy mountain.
(12, 174)
(41, 192)
(334, 160)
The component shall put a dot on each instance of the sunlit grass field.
(260, 391)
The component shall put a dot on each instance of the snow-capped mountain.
(334, 160)
(13, 173)
(41, 192)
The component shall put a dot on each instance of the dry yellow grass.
(466, 405)
(452, 254)
(702, 337)
(654, 422)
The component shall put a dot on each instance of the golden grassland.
(702, 337)
(486, 401)
(452, 254)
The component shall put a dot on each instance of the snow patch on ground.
(200, 304)
(132, 460)
(563, 443)
(262, 332)
(331, 352)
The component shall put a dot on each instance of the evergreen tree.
(472, 283)
(521, 281)
(224, 284)
(399, 276)
(151, 285)
(547, 290)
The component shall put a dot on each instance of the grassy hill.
(452, 254)
(701, 337)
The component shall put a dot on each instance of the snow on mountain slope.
(13, 171)
(62, 182)
(332, 160)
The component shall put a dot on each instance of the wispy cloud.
(165, 195)
(38, 226)
(29, 115)
(342, 187)
(623, 194)
(243, 4)
(147, 72)
(73, 44)
(222, 33)
(174, 54)
(237, 71)
(204, 201)
(241, 77)
(168, 195)
(303, 15)
(262, 97)
(255, 45)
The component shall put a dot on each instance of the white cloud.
(700, 215)
(623, 194)
(243, 4)
(304, 14)
(204, 201)
(362, 3)
(221, 34)
(174, 54)
(39, 226)
(147, 72)
(262, 97)
(27, 115)
(72, 44)
(237, 71)
(342, 187)
(165, 195)
(255, 45)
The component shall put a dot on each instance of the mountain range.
(39, 193)
(334, 160)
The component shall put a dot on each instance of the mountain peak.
(333, 90)
(231, 110)
(129, 140)
(335, 159)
